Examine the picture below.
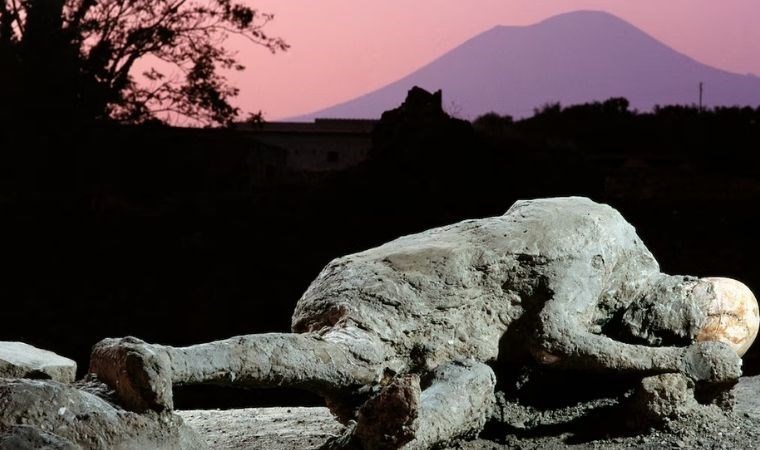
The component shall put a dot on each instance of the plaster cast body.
(418, 324)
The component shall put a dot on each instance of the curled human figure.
(403, 339)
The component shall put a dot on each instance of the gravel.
(600, 427)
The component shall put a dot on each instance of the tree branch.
(17, 18)
(111, 36)
(80, 13)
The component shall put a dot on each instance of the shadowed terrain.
(164, 234)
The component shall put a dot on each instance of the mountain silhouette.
(570, 58)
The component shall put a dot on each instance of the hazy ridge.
(571, 58)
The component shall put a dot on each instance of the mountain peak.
(583, 15)
(577, 21)
(576, 57)
(588, 22)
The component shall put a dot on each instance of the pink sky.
(345, 48)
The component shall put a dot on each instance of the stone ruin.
(414, 343)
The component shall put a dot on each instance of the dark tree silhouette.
(64, 57)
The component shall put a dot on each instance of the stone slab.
(20, 360)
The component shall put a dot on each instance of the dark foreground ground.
(576, 426)
(168, 234)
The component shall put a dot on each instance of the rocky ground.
(41, 408)
(271, 428)
(574, 426)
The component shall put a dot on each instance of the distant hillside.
(571, 58)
